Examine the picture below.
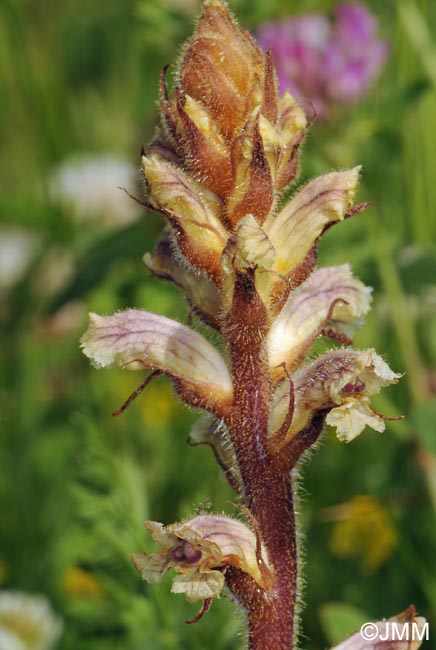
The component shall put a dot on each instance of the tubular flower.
(139, 340)
(199, 550)
(330, 300)
(339, 382)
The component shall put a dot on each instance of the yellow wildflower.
(364, 529)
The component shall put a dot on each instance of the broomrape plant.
(227, 150)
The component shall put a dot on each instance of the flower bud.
(220, 68)
(192, 210)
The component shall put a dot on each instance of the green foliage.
(75, 483)
(340, 621)
(424, 416)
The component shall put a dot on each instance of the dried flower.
(327, 63)
(199, 550)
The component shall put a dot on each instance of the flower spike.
(245, 258)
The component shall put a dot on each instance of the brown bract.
(225, 121)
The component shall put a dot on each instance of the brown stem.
(265, 476)
(271, 614)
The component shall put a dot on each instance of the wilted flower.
(27, 622)
(199, 550)
(326, 62)
(88, 185)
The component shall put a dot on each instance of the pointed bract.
(204, 149)
(253, 190)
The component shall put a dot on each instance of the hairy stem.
(271, 614)
(265, 476)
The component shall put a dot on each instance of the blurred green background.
(78, 83)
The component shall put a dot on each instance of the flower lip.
(358, 386)
(185, 552)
